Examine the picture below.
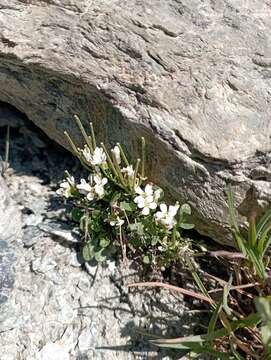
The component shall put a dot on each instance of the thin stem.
(86, 137)
(135, 174)
(71, 143)
(109, 160)
(92, 135)
(143, 155)
(122, 153)
(174, 236)
(117, 167)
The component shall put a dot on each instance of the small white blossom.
(87, 154)
(66, 187)
(128, 170)
(166, 216)
(99, 185)
(157, 195)
(85, 188)
(146, 199)
(116, 152)
(118, 222)
(98, 157)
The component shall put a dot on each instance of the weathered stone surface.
(10, 219)
(192, 77)
(10, 232)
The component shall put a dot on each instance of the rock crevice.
(191, 77)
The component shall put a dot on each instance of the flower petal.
(148, 189)
(145, 211)
(163, 208)
(153, 205)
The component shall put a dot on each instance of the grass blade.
(214, 318)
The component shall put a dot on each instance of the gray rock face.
(10, 219)
(7, 259)
(192, 77)
(10, 232)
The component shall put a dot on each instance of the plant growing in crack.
(240, 306)
(117, 208)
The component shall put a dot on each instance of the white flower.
(99, 185)
(128, 170)
(86, 189)
(116, 152)
(166, 216)
(118, 222)
(87, 154)
(145, 200)
(66, 187)
(98, 157)
(157, 195)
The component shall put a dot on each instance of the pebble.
(43, 265)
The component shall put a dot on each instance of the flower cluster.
(166, 215)
(93, 188)
(120, 203)
(66, 187)
(147, 199)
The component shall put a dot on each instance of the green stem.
(72, 145)
(122, 153)
(143, 155)
(117, 167)
(112, 167)
(174, 236)
(86, 137)
(136, 172)
(92, 135)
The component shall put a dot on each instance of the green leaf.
(185, 209)
(213, 321)
(252, 235)
(186, 226)
(125, 206)
(263, 306)
(77, 214)
(265, 219)
(100, 256)
(104, 242)
(147, 259)
(232, 212)
(266, 337)
(88, 252)
(137, 227)
(257, 261)
(154, 240)
(115, 197)
(226, 291)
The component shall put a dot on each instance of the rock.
(192, 77)
(86, 340)
(10, 219)
(10, 233)
(31, 235)
(62, 231)
(53, 351)
(7, 260)
(43, 265)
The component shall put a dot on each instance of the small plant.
(118, 209)
(240, 307)
(254, 246)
